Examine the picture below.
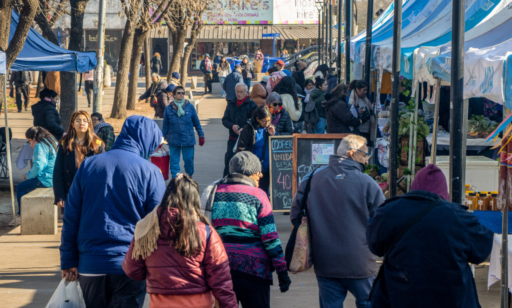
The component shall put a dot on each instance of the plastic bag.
(67, 295)
(383, 150)
(302, 256)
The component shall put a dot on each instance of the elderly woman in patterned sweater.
(242, 215)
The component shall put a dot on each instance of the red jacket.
(167, 272)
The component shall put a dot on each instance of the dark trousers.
(229, 155)
(89, 90)
(112, 291)
(25, 92)
(251, 294)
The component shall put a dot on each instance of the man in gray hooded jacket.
(341, 200)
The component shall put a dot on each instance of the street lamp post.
(319, 6)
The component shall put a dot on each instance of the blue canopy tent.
(39, 54)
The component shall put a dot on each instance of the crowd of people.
(125, 233)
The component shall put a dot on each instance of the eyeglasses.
(265, 121)
(180, 93)
(368, 155)
(277, 104)
(81, 121)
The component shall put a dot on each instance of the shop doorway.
(160, 45)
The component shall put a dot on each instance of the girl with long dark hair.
(255, 138)
(41, 174)
(79, 143)
(318, 96)
(176, 248)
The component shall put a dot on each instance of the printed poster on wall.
(236, 12)
(321, 153)
(295, 12)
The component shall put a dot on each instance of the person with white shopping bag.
(340, 202)
(111, 192)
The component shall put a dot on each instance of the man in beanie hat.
(242, 215)
(427, 265)
(206, 67)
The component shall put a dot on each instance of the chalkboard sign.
(310, 152)
(281, 172)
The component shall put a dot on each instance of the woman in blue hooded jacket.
(180, 119)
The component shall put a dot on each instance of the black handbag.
(290, 246)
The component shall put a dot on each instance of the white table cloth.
(443, 138)
(495, 264)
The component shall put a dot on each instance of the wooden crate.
(420, 151)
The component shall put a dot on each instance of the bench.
(216, 88)
(38, 214)
(195, 102)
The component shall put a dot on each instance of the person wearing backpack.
(180, 255)
(318, 96)
(339, 118)
(427, 243)
(341, 258)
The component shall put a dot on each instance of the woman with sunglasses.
(280, 117)
(255, 138)
(79, 143)
(180, 119)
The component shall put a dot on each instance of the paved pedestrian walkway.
(29, 265)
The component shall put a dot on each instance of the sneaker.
(19, 110)
(26, 109)
(16, 221)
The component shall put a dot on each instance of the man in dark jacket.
(46, 115)
(21, 81)
(429, 265)
(111, 192)
(157, 94)
(338, 115)
(341, 200)
(206, 67)
(238, 111)
(231, 81)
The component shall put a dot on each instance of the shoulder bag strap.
(303, 205)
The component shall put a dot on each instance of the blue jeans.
(222, 79)
(24, 188)
(320, 126)
(247, 81)
(333, 291)
(188, 158)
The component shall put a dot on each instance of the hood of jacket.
(258, 94)
(316, 93)
(139, 135)
(345, 162)
(42, 105)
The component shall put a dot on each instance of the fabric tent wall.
(3, 62)
(39, 54)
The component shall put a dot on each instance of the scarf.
(237, 178)
(208, 64)
(180, 104)
(146, 235)
(239, 103)
(100, 126)
(308, 92)
(276, 119)
(51, 100)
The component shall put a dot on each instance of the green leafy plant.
(407, 171)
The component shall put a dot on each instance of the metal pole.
(330, 34)
(457, 134)
(324, 28)
(98, 84)
(414, 134)
(338, 43)
(433, 151)
(409, 160)
(368, 50)
(348, 27)
(395, 93)
(8, 146)
(504, 242)
(274, 46)
(320, 32)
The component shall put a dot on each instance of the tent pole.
(348, 30)
(8, 145)
(409, 161)
(368, 50)
(414, 134)
(98, 84)
(395, 68)
(330, 33)
(319, 45)
(504, 242)
(433, 151)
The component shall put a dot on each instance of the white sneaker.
(16, 221)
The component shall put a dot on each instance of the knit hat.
(431, 179)
(175, 75)
(207, 55)
(280, 62)
(244, 163)
(170, 88)
(265, 78)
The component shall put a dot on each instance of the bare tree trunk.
(138, 41)
(40, 84)
(5, 23)
(120, 95)
(27, 14)
(186, 56)
(147, 67)
(178, 51)
(68, 89)
(42, 22)
(354, 18)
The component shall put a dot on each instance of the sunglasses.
(277, 104)
(180, 93)
(368, 155)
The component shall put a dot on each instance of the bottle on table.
(483, 202)
(493, 203)
(471, 200)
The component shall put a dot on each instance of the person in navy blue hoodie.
(429, 265)
(111, 192)
(180, 119)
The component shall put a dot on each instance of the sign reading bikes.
(239, 12)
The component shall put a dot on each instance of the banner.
(236, 12)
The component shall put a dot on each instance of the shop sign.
(295, 12)
(239, 12)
